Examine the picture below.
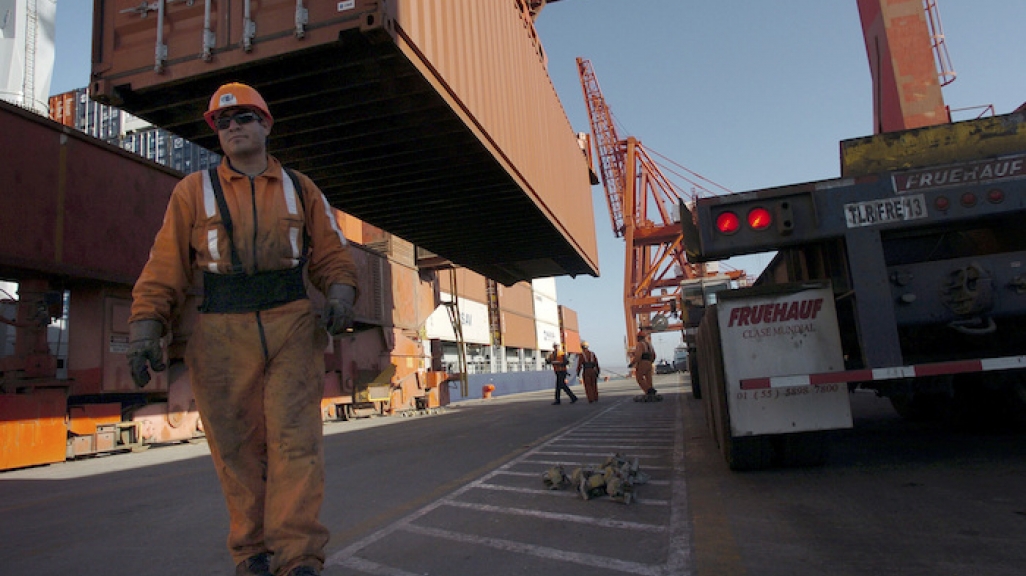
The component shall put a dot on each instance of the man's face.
(241, 131)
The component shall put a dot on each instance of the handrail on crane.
(945, 71)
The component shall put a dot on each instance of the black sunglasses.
(243, 118)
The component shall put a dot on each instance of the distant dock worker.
(248, 230)
(559, 363)
(643, 361)
(588, 370)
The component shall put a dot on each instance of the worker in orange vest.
(643, 361)
(588, 365)
(559, 363)
(252, 232)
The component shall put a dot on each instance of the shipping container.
(572, 341)
(517, 298)
(568, 318)
(469, 284)
(518, 331)
(111, 199)
(546, 309)
(473, 322)
(547, 334)
(435, 120)
(544, 286)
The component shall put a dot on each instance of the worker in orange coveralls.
(643, 361)
(560, 363)
(588, 365)
(246, 230)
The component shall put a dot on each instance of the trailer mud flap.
(779, 331)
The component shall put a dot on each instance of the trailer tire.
(696, 386)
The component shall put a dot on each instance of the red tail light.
(759, 218)
(728, 223)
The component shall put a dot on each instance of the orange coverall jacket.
(192, 237)
(257, 377)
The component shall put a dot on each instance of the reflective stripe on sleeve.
(334, 223)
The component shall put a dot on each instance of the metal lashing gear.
(650, 396)
(555, 478)
(589, 483)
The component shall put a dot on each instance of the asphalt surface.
(461, 493)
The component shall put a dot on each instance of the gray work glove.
(338, 309)
(144, 348)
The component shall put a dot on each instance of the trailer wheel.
(740, 452)
(696, 387)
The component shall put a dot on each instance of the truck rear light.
(968, 199)
(759, 218)
(727, 223)
(941, 203)
(995, 196)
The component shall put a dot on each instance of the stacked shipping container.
(117, 127)
(504, 328)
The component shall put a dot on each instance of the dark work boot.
(255, 565)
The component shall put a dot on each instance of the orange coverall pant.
(258, 379)
(643, 370)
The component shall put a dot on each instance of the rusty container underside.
(362, 109)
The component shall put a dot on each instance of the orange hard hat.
(236, 95)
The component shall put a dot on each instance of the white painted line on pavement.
(679, 554)
(539, 551)
(565, 463)
(500, 488)
(559, 517)
(373, 568)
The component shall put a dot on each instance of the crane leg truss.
(655, 262)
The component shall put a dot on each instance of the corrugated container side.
(516, 107)
(547, 334)
(116, 201)
(546, 309)
(518, 331)
(568, 318)
(572, 341)
(473, 319)
(469, 284)
(62, 108)
(407, 113)
(405, 300)
(545, 287)
(517, 298)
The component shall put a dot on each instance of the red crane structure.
(643, 210)
(909, 62)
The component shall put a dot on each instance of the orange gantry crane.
(643, 210)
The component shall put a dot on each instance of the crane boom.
(610, 149)
(642, 207)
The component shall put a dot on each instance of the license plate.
(883, 211)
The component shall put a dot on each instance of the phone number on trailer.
(883, 211)
(775, 393)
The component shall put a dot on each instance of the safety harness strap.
(238, 292)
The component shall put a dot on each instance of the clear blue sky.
(749, 94)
